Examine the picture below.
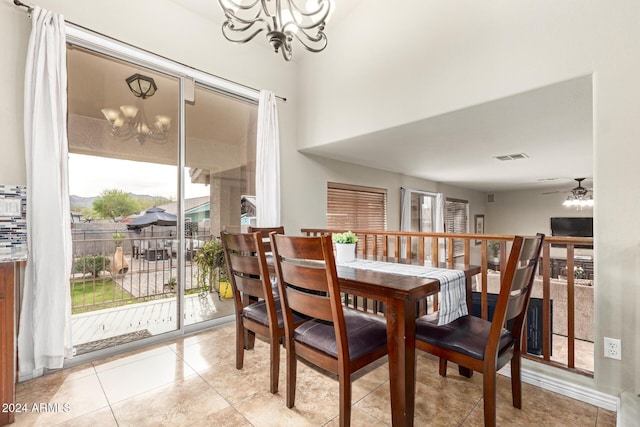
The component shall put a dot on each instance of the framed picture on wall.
(479, 226)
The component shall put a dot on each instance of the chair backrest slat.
(248, 271)
(317, 306)
(521, 278)
(312, 278)
(515, 289)
(249, 285)
(245, 263)
(514, 307)
(264, 232)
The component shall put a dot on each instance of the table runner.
(453, 303)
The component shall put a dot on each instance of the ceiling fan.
(576, 191)
(580, 196)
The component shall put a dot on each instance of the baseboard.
(629, 413)
(567, 388)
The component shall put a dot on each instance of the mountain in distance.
(81, 202)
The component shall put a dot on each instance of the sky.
(90, 175)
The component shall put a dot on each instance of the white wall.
(528, 212)
(304, 183)
(458, 53)
(13, 43)
(470, 52)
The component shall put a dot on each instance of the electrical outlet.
(612, 348)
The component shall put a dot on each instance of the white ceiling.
(551, 125)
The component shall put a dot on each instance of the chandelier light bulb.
(130, 121)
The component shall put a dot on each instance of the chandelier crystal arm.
(316, 21)
(322, 39)
(229, 31)
(283, 20)
(237, 6)
(232, 17)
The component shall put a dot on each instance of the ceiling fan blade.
(557, 191)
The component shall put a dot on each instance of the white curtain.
(268, 162)
(439, 225)
(44, 338)
(405, 216)
(405, 210)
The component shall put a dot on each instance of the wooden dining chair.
(483, 346)
(257, 310)
(264, 232)
(337, 339)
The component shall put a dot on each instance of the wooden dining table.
(400, 293)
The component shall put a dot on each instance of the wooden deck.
(157, 317)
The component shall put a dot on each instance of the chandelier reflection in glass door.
(130, 121)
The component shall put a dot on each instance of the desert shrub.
(93, 264)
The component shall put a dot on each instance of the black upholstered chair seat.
(258, 313)
(467, 334)
(365, 333)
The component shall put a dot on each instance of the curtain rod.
(30, 8)
(19, 3)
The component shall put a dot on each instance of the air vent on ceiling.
(512, 157)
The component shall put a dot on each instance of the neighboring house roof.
(188, 204)
(205, 207)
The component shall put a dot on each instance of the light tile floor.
(193, 382)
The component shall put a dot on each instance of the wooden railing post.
(391, 242)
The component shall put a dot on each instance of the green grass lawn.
(90, 295)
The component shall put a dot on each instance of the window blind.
(457, 221)
(353, 207)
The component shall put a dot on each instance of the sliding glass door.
(219, 179)
(159, 165)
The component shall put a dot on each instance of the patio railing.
(562, 303)
(142, 269)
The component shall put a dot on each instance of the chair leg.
(239, 344)
(275, 364)
(489, 395)
(345, 399)
(516, 381)
(291, 374)
(465, 372)
(443, 367)
(249, 339)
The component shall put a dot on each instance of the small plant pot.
(225, 290)
(345, 252)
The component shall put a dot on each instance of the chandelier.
(283, 20)
(580, 197)
(130, 121)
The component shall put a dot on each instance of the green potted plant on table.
(210, 261)
(345, 246)
(494, 248)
